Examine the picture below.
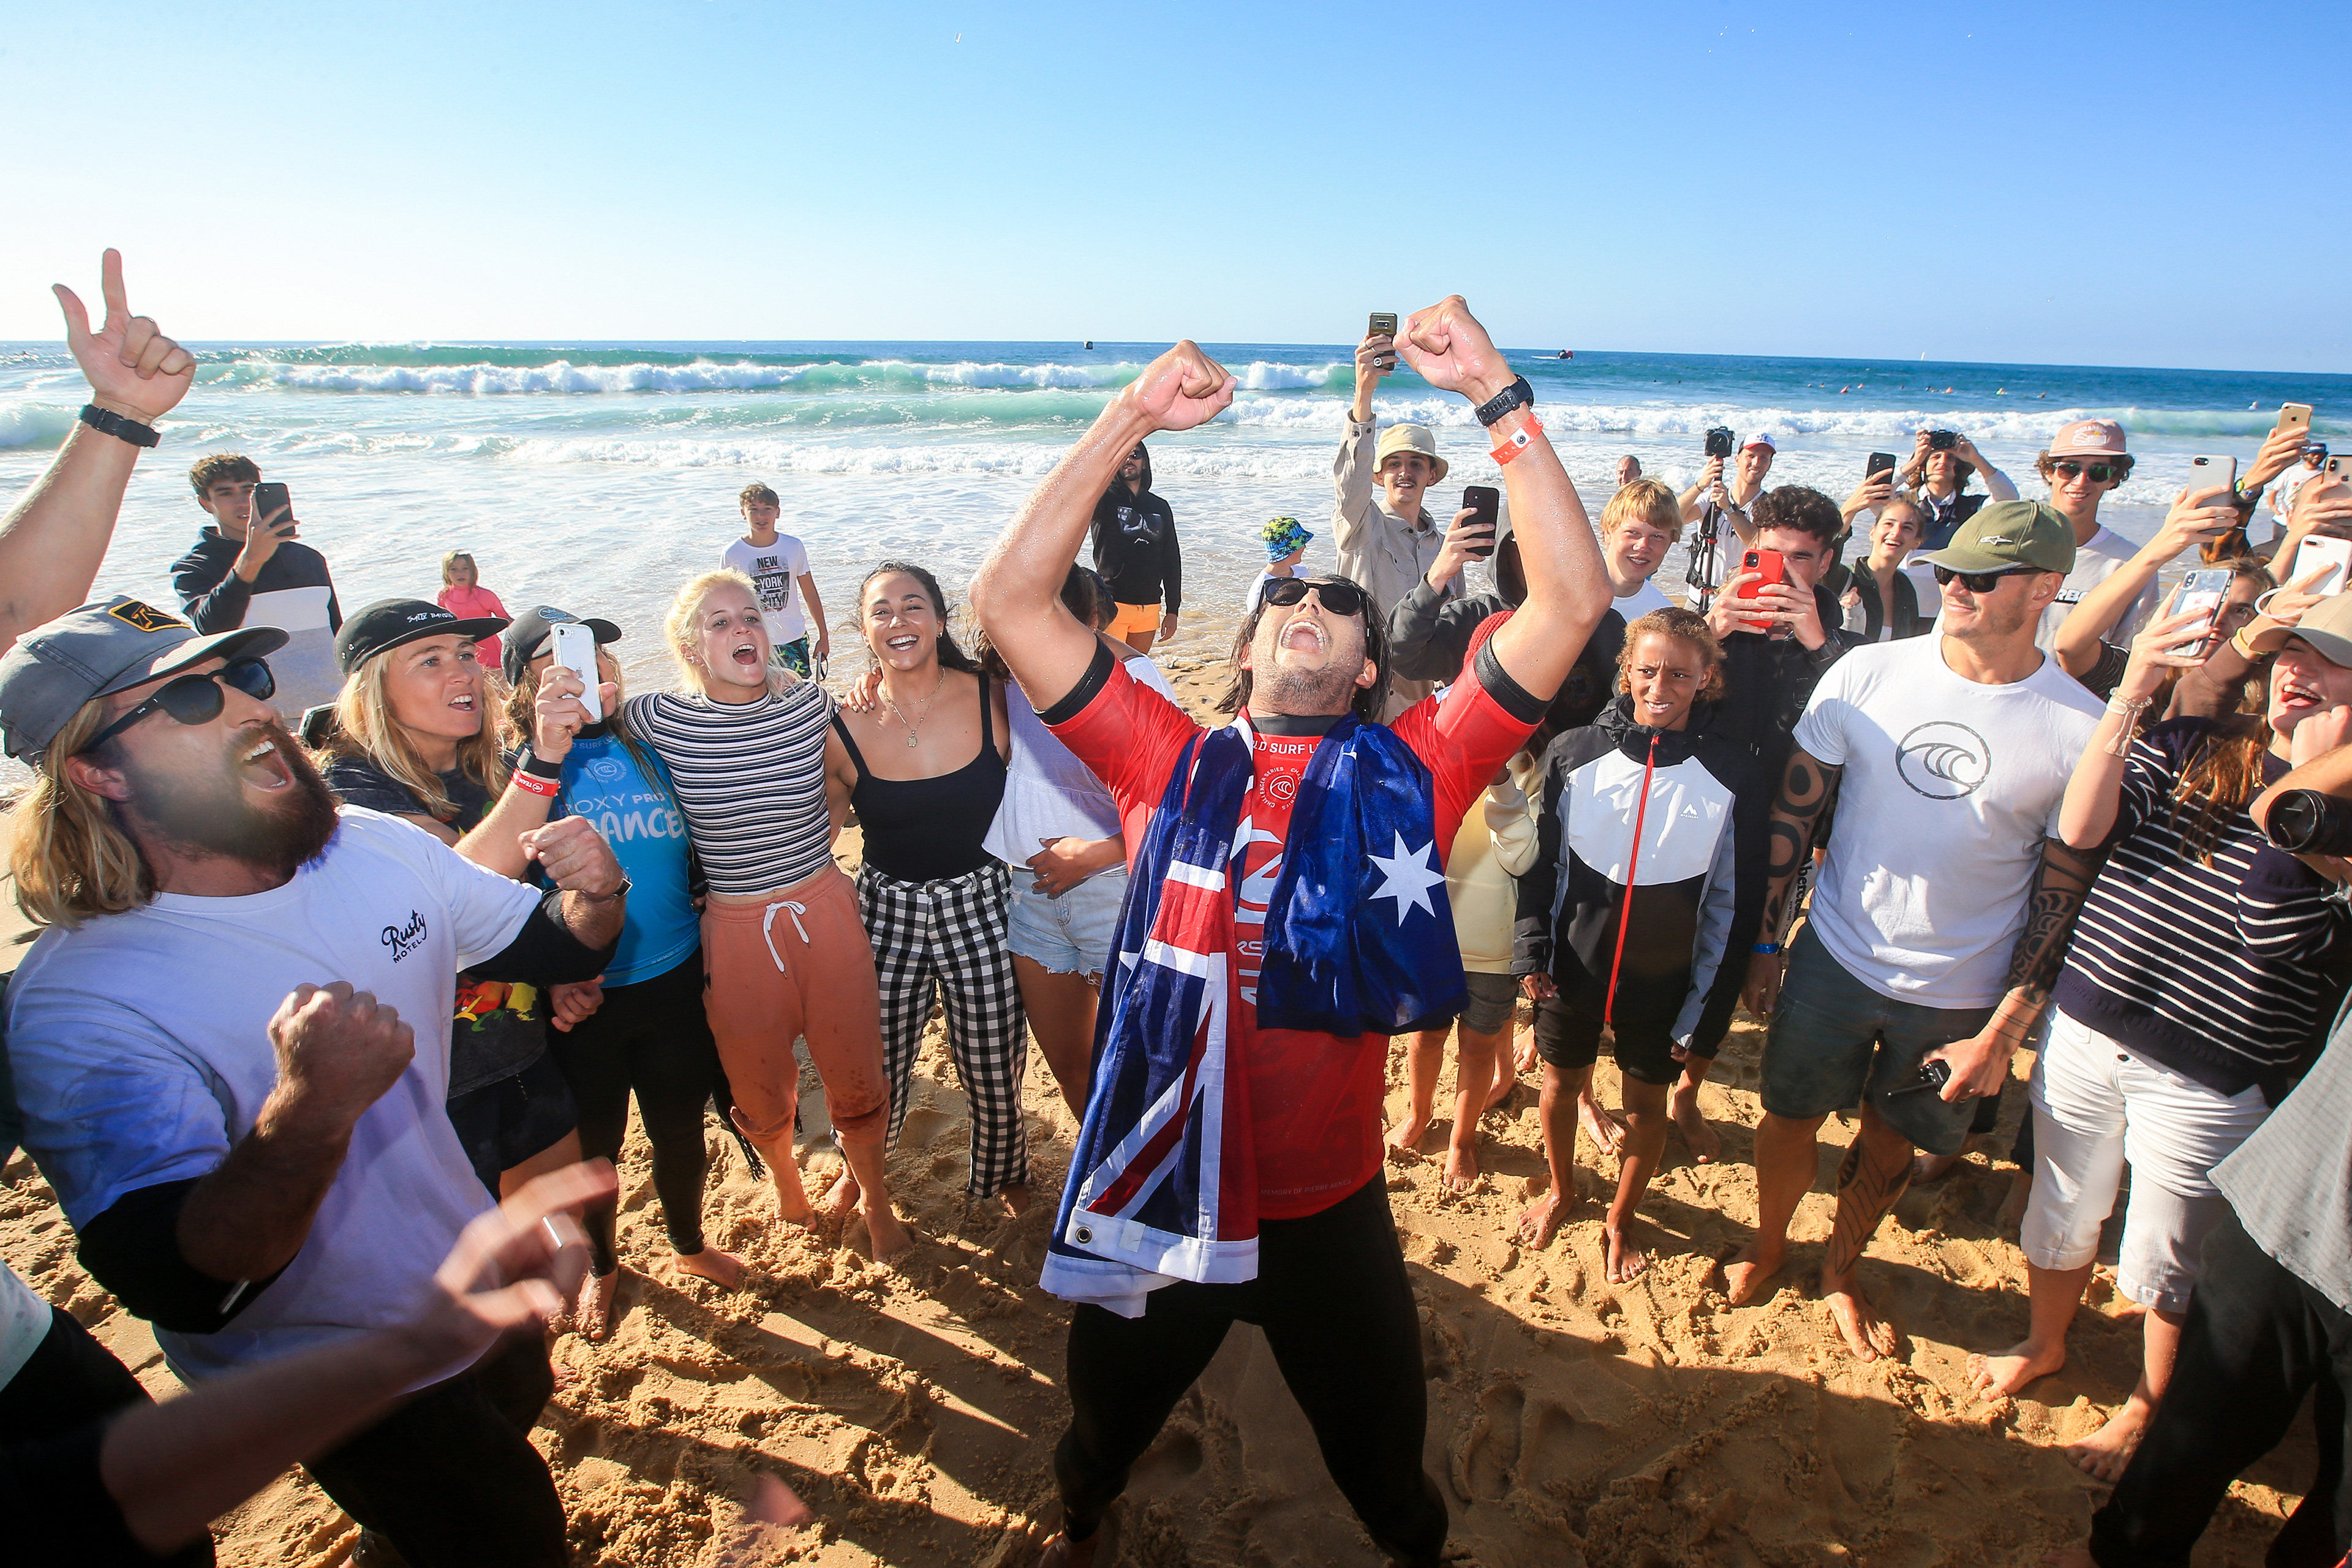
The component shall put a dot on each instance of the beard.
(212, 816)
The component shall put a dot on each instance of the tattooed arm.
(1980, 1064)
(1807, 787)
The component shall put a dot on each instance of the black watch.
(107, 422)
(1518, 394)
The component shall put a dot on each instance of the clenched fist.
(338, 1051)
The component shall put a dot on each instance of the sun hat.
(390, 623)
(2010, 533)
(1399, 438)
(2328, 628)
(1283, 538)
(531, 631)
(2088, 438)
(103, 647)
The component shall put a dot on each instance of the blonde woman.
(414, 738)
(785, 953)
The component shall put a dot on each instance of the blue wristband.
(1767, 947)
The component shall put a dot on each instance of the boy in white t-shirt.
(1939, 916)
(775, 562)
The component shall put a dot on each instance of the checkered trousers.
(950, 935)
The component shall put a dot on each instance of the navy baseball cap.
(388, 623)
(104, 647)
(528, 633)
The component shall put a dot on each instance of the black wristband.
(538, 767)
(1517, 394)
(106, 422)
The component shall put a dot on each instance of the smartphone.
(2294, 416)
(1719, 442)
(574, 647)
(1942, 440)
(1880, 463)
(2338, 470)
(2204, 473)
(2318, 551)
(270, 499)
(2202, 590)
(1383, 324)
(1933, 1075)
(1774, 566)
(1483, 499)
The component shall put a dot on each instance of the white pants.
(2096, 1106)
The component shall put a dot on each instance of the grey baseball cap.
(104, 647)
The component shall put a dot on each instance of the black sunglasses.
(1978, 581)
(2101, 473)
(196, 699)
(1337, 594)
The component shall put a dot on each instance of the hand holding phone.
(1772, 571)
(1879, 463)
(1384, 325)
(2294, 416)
(273, 507)
(2201, 594)
(2319, 551)
(1484, 501)
(574, 649)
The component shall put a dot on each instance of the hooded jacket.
(1698, 878)
(1135, 546)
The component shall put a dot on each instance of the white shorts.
(2097, 1107)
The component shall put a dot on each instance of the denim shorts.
(1833, 1038)
(1071, 934)
(1491, 1001)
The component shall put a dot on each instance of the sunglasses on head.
(1977, 582)
(195, 698)
(2101, 473)
(1337, 594)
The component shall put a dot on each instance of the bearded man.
(213, 1050)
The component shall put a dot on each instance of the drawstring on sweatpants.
(767, 934)
(1625, 916)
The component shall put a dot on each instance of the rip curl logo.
(147, 617)
(1943, 760)
(405, 940)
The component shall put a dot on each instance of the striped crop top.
(750, 778)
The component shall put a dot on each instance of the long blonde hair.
(68, 853)
(679, 628)
(366, 728)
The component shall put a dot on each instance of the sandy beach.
(915, 1408)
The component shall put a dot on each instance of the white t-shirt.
(141, 1049)
(1641, 601)
(1049, 793)
(1949, 789)
(2094, 563)
(23, 1323)
(776, 570)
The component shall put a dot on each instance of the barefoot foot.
(1699, 1136)
(1505, 1082)
(1014, 1196)
(1064, 1553)
(1608, 1134)
(1540, 1220)
(1405, 1137)
(2012, 1207)
(1461, 1169)
(1748, 1271)
(1523, 1053)
(1626, 1261)
(1932, 1167)
(891, 1239)
(1867, 1335)
(2106, 1452)
(592, 1315)
(1993, 1376)
(840, 1201)
(723, 1270)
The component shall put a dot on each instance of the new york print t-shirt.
(775, 570)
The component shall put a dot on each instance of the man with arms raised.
(1949, 757)
(1279, 850)
(214, 1050)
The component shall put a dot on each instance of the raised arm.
(558, 715)
(2095, 792)
(1568, 587)
(54, 536)
(1980, 1064)
(1998, 486)
(1808, 785)
(1018, 593)
(2195, 517)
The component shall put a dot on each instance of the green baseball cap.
(2009, 534)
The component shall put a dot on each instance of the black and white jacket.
(1697, 877)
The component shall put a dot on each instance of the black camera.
(1942, 441)
(1719, 442)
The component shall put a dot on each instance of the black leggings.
(1337, 1312)
(653, 1038)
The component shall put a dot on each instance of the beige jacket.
(1497, 841)
(1379, 550)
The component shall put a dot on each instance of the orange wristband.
(530, 785)
(1516, 442)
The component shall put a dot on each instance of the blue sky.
(2062, 182)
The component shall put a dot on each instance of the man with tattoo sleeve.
(1939, 918)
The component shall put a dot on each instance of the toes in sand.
(592, 1315)
(1405, 1137)
(1608, 1134)
(2106, 1452)
(1993, 1376)
(1540, 1220)
(723, 1270)
(1699, 1136)
(1748, 1271)
(1867, 1335)
(1626, 1261)
(1460, 1170)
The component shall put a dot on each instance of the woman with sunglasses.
(413, 737)
(2202, 977)
(926, 772)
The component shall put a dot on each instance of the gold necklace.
(914, 729)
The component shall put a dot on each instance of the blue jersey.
(637, 817)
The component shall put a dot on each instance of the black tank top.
(928, 830)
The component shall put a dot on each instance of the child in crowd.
(463, 595)
(775, 562)
(1286, 546)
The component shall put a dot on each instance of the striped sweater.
(751, 779)
(2220, 972)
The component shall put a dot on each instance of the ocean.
(598, 476)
